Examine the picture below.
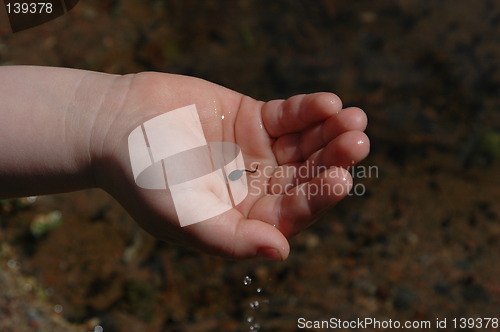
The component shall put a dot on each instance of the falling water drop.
(257, 304)
(255, 327)
(247, 281)
(254, 304)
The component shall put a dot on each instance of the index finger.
(299, 112)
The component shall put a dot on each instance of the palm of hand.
(303, 133)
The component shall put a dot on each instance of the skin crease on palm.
(69, 130)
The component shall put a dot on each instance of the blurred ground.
(421, 243)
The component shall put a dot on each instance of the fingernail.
(270, 253)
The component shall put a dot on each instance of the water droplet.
(98, 328)
(250, 319)
(254, 304)
(58, 308)
(247, 281)
(259, 290)
(255, 327)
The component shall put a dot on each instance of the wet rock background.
(422, 242)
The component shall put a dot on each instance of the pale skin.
(63, 130)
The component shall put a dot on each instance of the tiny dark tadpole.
(237, 173)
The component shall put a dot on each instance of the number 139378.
(29, 8)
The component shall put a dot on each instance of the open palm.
(301, 147)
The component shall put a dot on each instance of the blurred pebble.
(312, 241)
(13, 264)
(58, 308)
(404, 298)
(368, 17)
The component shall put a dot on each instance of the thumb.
(239, 238)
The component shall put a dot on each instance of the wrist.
(84, 122)
(48, 119)
(103, 97)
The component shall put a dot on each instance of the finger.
(299, 207)
(298, 112)
(299, 146)
(233, 236)
(344, 151)
(349, 119)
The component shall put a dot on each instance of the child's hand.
(304, 132)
